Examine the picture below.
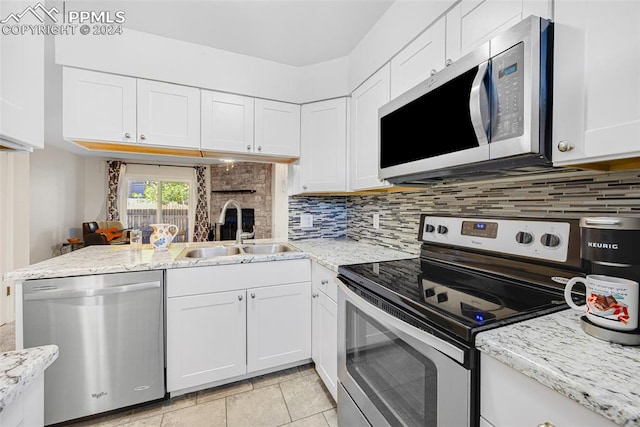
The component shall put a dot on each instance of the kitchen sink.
(213, 252)
(268, 249)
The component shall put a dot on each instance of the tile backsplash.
(563, 195)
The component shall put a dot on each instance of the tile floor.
(294, 397)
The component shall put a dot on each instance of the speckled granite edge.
(19, 368)
(554, 351)
(119, 259)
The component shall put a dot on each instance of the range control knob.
(442, 229)
(429, 228)
(550, 240)
(524, 238)
(443, 297)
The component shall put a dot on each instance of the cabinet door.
(364, 152)
(98, 106)
(509, 398)
(206, 338)
(21, 83)
(416, 62)
(324, 146)
(596, 111)
(277, 128)
(473, 22)
(325, 335)
(168, 114)
(278, 325)
(227, 122)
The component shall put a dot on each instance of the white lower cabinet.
(226, 321)
(278, 325)
(200, 355)
(509, 398)
(325, 328)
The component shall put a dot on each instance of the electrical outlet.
(376, 220)
(306, 220)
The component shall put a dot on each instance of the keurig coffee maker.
(610, 246)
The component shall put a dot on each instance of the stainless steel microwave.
(487, 114)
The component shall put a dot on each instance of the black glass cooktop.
(450, 298)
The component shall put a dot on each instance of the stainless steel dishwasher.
(110, 331)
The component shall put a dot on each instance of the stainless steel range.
(406, 329)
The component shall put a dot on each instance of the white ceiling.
(294, 32)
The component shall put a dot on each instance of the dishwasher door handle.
(43, 295)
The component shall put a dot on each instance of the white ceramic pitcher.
(162, 236)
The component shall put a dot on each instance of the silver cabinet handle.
(546, 424)
(324, 281)
(304, 187)
(253, 295)
(260, 148)
(239, 297)
(449, 62)
(127, 135)
(142, 137)
(564, 146)
(433, 72)
(315, 295)
(248, 148)
(44, 295)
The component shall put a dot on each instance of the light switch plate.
(376, 220)
(306, 220)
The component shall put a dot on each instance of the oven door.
(393, 373)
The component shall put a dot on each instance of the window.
(159, 195)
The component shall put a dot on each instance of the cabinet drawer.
(220, 278)
(325, 280)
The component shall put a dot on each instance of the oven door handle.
(417, 338)
(479, 105)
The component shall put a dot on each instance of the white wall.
(14, 223)
(57, 199)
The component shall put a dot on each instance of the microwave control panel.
(507, 71)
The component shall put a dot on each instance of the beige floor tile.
(275, 378)
(155, 421)
(224, 391)
(262, 407)
(316, 420)
(210, 414)
(332, 417)
(306, 396)
(307, 369)
(160, 408)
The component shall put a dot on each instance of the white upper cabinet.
(473, 22)
(423, 57)
(21, 85)
(110, 108)
(98, 106)
(324, 146)
(277, 128)
(596, 81)
(168, 114)
(227, 122)
(363, 151)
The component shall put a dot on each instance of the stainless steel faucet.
(239, 234)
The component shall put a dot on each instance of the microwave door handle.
(479, 105)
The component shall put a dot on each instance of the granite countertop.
(19, 368)
(555, 351)
(332, 253)
(102, 259)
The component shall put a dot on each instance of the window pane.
(175, 207)
(142, 206)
